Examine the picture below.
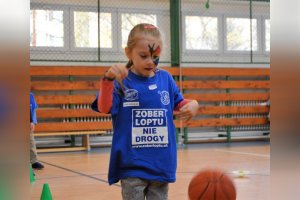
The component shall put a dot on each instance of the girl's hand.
(188, 111)
(117, 71)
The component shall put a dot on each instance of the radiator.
(263, 127)
(85, 119)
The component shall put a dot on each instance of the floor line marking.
(66, 176)
(245, 153)
(76, 172)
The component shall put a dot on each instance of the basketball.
(211, 184)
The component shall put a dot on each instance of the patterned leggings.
(141, 189)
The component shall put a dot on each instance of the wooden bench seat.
(47, 134)
(220, 90)
(58, 115)
(85, 140)
(64, 95)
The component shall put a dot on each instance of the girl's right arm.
(105, 95)
(105, 98)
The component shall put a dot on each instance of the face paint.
(154, 51)
(155, 61)
(151, 49)
(157, 50)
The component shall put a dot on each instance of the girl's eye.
(143, 56)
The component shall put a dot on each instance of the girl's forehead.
(145, 42)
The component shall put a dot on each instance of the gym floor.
(83, 175)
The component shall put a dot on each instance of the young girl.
(141, 99)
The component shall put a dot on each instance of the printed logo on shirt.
(152, 87)
(149, 128)
(164, 97)
(131, 94)
(132, 103)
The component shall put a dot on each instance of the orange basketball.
(211, 184)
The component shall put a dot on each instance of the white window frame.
(119, 54)
(133, 11)
(66, 39)
(258, 32)
(264, 18)
(200, 51)
(162, 14)
(74, 9)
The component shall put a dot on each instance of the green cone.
(46, 193)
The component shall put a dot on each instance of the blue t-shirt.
(144, 139)
(33, 107)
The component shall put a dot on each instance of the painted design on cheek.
(154, 51)
(155, 61)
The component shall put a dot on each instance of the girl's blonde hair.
(138, 32)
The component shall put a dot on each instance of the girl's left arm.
(186, 109)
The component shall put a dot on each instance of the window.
(46, 28)
(267, 34)
(129, 20)
(75, 31)
(201, 33)
(238, 35)
(105, 30)
(86, 29)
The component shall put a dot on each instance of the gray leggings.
(139, 189)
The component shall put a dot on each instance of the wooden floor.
(83, 175)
